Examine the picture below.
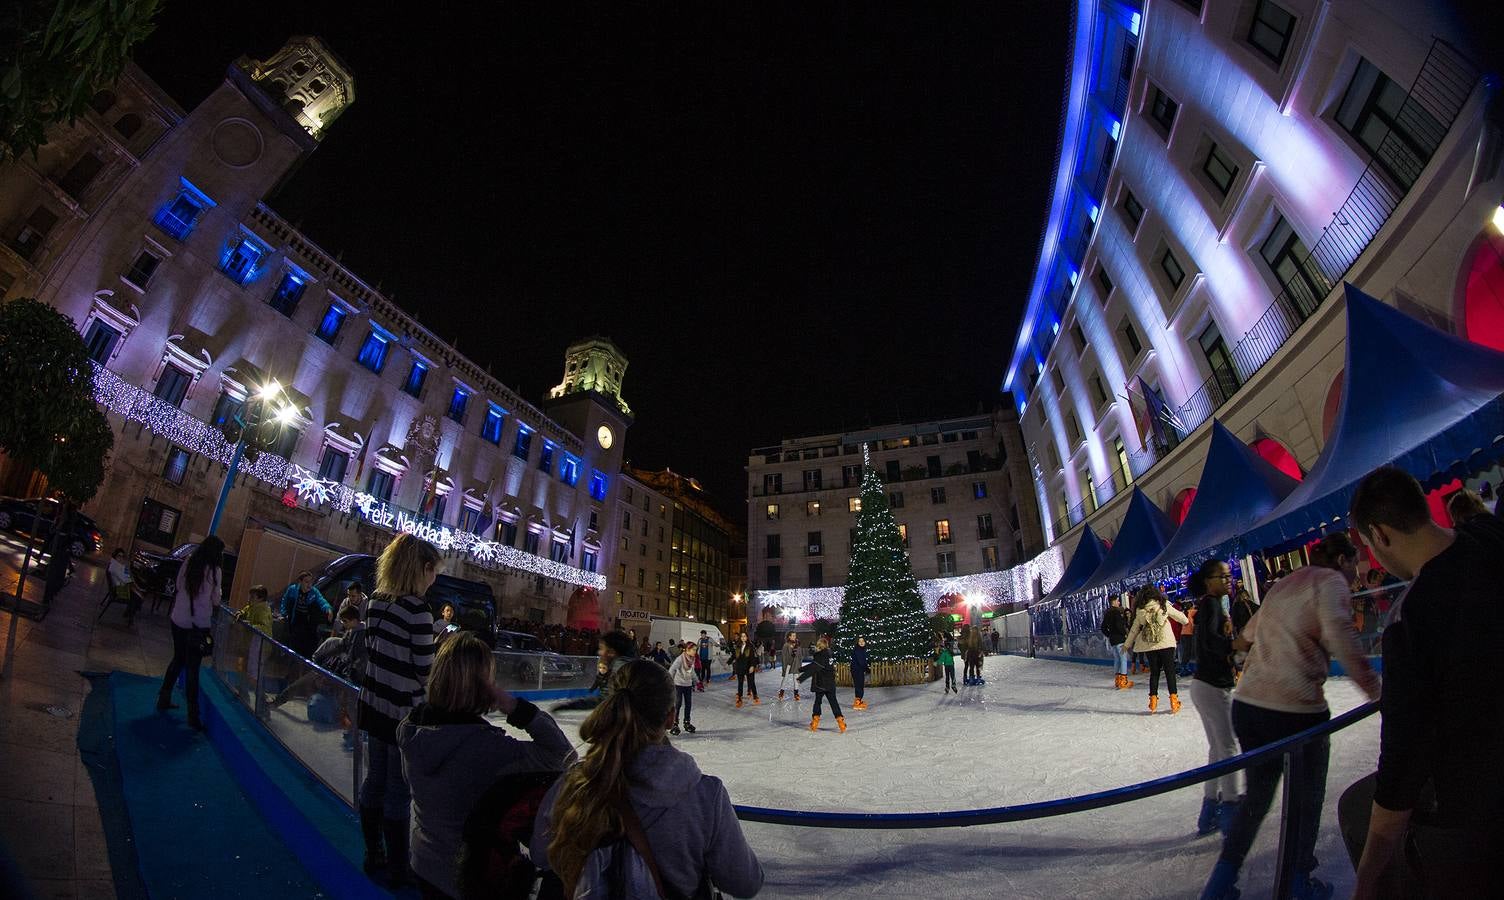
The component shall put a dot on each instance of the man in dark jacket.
(1115, 625)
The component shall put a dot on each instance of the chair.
(110, 598)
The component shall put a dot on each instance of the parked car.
(474, 602)
(157, 573)
(526, 654)
(20, 515)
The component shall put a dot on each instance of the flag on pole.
(487, 515)
(360, 465)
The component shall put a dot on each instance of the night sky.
(791, 222)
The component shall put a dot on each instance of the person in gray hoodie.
(686, 815)
(452, 755)
(791, 659)
(682, 672)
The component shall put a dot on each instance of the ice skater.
(1115, 625)
(822, 676)
(704, 659)
(859, 670)
(1211, 688)
(744, 663)
(1151, 635)
(790, 658)
(946, 657)
(971, 650)
(683, 671)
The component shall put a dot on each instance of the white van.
(676, 631)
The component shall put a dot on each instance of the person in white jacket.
(198, 593)
(682, 671)
(1152, 636)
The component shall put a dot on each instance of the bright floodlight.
(285, 415)
(1499, 219)
(270, 389)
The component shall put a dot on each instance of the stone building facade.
(145, 223)
(675, 552)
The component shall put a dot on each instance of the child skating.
(822, 676)
(859, 670)
(946, 657)
(684, 672)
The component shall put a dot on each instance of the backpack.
(491, 859)
(624, 869)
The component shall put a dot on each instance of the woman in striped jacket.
(399, 651)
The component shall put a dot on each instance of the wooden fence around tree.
(884, 672)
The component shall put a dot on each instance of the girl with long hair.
(632, 776)
(822, 676)
(198, 593)
(1211, 688)
(399, 642)
(1152, 636)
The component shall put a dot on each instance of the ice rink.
(1038, 730)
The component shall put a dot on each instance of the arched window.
(1181, 505)
(1277, 455)
(127, 125)
(102, 102)
(1483, 297)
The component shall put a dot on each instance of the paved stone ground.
(49, 819)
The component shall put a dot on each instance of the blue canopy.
(1414, 397)
(1237, 489)
(1088, 556)
(1145, 532)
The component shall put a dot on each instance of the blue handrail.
(965, 818)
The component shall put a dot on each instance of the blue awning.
(1145, 532)
(1237, 488)
(1413, 397)
(1088, 556)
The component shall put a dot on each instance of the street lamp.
(251, 415)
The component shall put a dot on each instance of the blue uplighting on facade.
(329, 326)
(491, 428)
(569, 469)
(179, 215)
(597, 484)
(242, 258)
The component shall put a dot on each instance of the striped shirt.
(399, 645)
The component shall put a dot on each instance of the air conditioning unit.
(814, 549)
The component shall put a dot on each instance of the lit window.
(490, 429)
(903, 534)
(812, 507)
(178, 217)
(524, 444)
(177, 465)
(854, 504)
(772, 510)
(979, 490)
(569, 470)
(242, 258)
(457, 403)
(329, 326)
(546, 458)
(597, 485)
(289, 291)
(942, 531)
(418, 374)
(373, 352)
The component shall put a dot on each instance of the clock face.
(604, 436)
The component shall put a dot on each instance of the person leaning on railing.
(1438, 790)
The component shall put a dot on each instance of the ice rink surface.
(1038, 730)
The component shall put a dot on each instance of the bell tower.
(307, 80)
(593, 364)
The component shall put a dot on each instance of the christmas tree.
(882, 601)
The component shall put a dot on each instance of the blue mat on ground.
(96, 752)
(197, 835)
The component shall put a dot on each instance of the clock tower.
(593, 364)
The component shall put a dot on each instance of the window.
(177, 465)
(226, 408)
(1291, 263)
(569, 469)
(1220, 361)
(416, 375)
(903, 534)
(772, 483)
(1120, 455)
(626, 521)
(1098, 390)
(158, 523)
(102, 102)
(772, 510)
(287, 438)
(289, 291)
(1078, 337)
(1163, 109)
(458, 401)
(1072, 429)
(101, 340)
(1130, 339)
(1174, 273)
(329, 326)
(546, 460)
(775, 578)
(854, 504)
(1104, 281)
(1133, 211)
(851, 475)
(128, 125)
(1271, 30)
(1059, 381)
(380, 485)
(372, 353)
(657, 581)
(589, 560)
(509, 534)
(469, 519)
(178, 217)
(816, 575)
(143, 268)
(812, 507)
(172, 386)
(774, 546)
(524, 443)
(1220, 169)
(989, 559)
(945, 562)
(932, 466)
(38, 225)
(244, 256)
(942, 531)
(890, 471)
(1371, 111)
(895, 500)
(984, 527)
(490, 429)
(814, 546)
(80, 175)
(333, 465)
(937, 495)
(530, 543)
(979, 490)
(558, 551)
(598, 485)
(811, 479)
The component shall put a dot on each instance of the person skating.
(1152, 635)
(1211, 688)
(859, 670)
(744, 665)
(614, 649)
(971, 649)
(946, 657)
(822, 676)
(661, 656)
(790, 657)
(682, 671)
(704, 658)
(1115, 625)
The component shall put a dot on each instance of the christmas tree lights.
(882, 601)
